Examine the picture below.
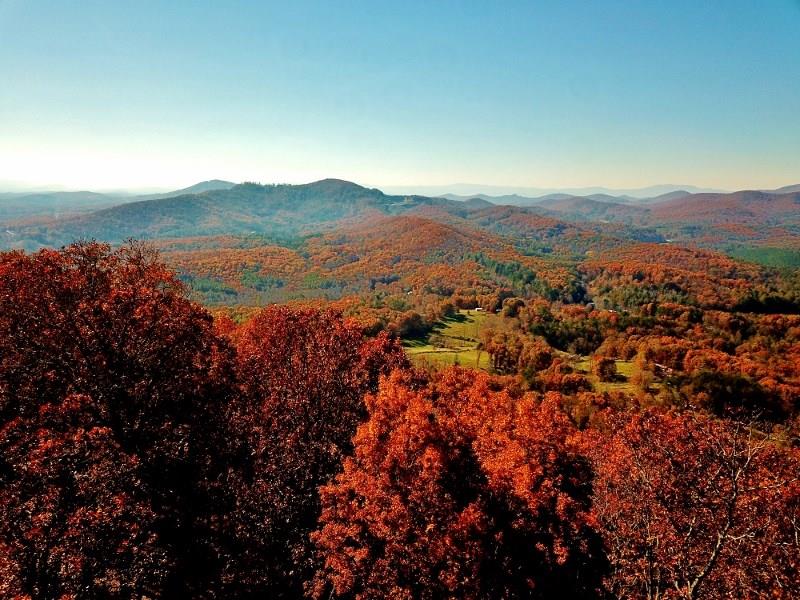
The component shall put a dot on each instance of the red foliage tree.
(456, 490)
(696, 508)
(303, 373)
(106, 342)
(77, 520)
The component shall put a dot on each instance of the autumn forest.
(323, 391)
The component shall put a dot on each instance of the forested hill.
(243, 209)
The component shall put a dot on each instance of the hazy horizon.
(456, 189)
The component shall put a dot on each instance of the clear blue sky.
(549, 94)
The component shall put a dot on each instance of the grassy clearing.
(453, 341)
(624, 372)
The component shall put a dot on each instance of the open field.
(624, 372)
(453, 341)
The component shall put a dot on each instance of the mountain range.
(635, 197)
(470, 190)
(218, 207)
(222, 208)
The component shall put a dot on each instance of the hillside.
(592, 209)
(664, 197)
(745, 207)
(391, 253)
(736, 223)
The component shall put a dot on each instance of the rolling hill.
(746, 207)
(591, 209)
(665, 197)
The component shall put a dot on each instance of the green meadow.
(453, 341)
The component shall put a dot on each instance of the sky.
(148, 95)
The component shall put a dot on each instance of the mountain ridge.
(217, 207)
(245, 208)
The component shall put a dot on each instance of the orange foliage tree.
(458, 490)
